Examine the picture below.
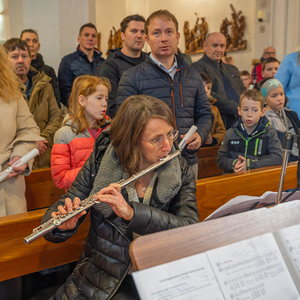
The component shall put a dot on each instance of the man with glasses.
(257, 69)
(166, 76)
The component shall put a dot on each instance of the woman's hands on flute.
(112, 196)
(71, 224)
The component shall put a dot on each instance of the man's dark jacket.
(105, 261)
(214, 70)
(74, 65)
(185, 95)
(40, 66)
(113, 68)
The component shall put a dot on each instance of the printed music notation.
(265, 267)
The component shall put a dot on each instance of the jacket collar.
(211, 62)
(97, 53)
(119, 54)
(262, 124)
(181, 63)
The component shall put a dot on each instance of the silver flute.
(90, 201)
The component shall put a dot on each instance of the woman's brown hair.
(128, 125)
(84, 85)
(9, 82)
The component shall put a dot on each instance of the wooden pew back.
(207, 162)
(215, 191)
(41, 191)
(17, 259)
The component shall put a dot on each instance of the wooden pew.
(207, 162)
(215, 191)
(16, 258)
(41, 192)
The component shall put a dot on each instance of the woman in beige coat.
(19, 135)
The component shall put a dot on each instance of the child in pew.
(252, 142)
(74, 142)
(218, 130)
(283, 120)
(269, 69)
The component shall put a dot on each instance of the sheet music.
(288, 240)
(190, 278)
(244, 203)
(253, 269)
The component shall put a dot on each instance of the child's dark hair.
(260, 83)
(205, 78)
(268, 61)
(254, 95)
(244, 73)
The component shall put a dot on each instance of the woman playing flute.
(141, 134)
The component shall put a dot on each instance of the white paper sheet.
(190, 278)
(253, 269)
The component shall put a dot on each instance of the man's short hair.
(205, 78)
(125, 22)
(244, 73)
(11, 45)
(89, 25)
(254, 95)
(268, 61)
(163, 14)
(30, 31)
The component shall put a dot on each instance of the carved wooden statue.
(195, 38)
(237, 24)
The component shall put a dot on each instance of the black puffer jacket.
(105, 260)
(185, 95)
(40, 66)
(113, 68)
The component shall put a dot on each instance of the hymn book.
(264, 267)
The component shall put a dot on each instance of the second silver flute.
(90, 201)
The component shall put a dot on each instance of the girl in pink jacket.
(74, 142)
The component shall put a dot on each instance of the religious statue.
(114, 40)
(237, 24)
(195, 38)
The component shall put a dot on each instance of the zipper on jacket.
(256, 146)
(248, 139)
(181, 97)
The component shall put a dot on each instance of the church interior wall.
(58, 22)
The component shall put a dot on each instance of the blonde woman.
(289, 76)
(19, 134)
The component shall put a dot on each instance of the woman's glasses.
(158, 142)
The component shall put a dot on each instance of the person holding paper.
(252, 142)
(19, 135)
(162, 199)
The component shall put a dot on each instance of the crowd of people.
(101, 121)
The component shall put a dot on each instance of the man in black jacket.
(133, 37)
(31, 37)
(226, 83)
(165, 76)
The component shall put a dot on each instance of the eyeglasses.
(158, 142)
(245, 79)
